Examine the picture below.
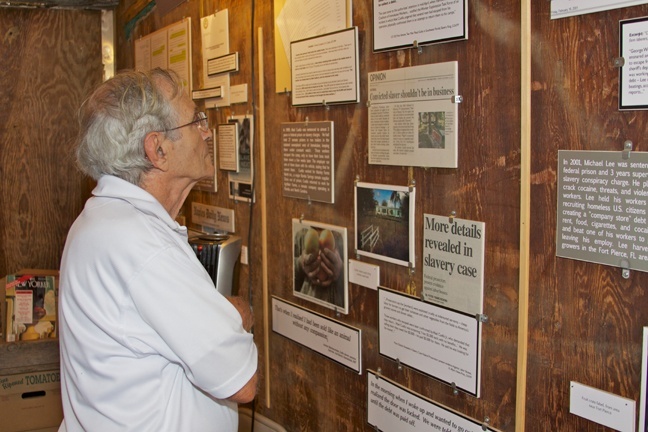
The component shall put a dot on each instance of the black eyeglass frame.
(200, 120)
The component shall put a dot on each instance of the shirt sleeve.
(191, 323)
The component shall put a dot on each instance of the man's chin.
(209, 174)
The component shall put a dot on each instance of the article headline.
(452, 245)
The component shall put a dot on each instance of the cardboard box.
(30, 401)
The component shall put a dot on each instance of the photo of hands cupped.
(320, 257)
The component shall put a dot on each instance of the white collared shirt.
(147, 343)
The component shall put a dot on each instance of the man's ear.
(155, 149)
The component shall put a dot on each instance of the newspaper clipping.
(413, 116)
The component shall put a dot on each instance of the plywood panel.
(50, 59)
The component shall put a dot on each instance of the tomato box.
(30, 401)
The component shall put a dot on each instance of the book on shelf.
(31, 300)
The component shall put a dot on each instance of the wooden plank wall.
(311, 393)
(307, 391)
(585, 319)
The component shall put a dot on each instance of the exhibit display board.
(169, 47)
(433, 340)
(633, 56)
(453, 263)
(325, 69)
(392, 407)
(296, 20)
(307, 155)
(567, 8)
(603, 208)
(413, 116)
(332, 339)
(415, 23)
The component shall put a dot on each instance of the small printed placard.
(238, 94)
(214, 217)
(601, 407)
(361, 273)
(228, 155)
(330, 338)
(222, 64)
(214, 92)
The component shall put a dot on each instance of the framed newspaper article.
(413, 116)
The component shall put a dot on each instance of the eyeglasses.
(200, 120)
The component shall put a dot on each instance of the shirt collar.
(110, 186)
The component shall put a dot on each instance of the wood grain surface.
(585, 319)
(50, 60)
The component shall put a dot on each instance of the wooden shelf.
(32, 356)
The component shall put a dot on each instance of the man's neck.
(171, 194)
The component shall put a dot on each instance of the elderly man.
(147, 343)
